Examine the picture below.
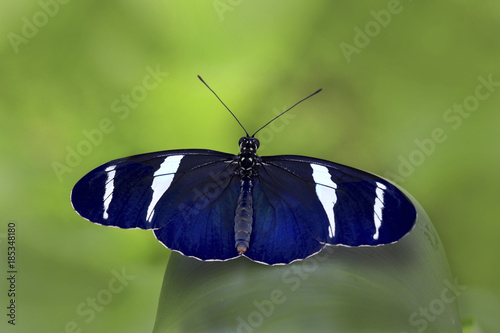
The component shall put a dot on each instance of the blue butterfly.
(217, 206)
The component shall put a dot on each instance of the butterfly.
(216, 206)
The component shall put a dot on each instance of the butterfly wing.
(302, 203)
(280, 230)
(204, 228)
(187, 196)
(145, 191)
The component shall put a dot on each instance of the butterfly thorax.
(247, 158)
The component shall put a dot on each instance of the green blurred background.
(67, 66)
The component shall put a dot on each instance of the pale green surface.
(401, 287)
(262, 56)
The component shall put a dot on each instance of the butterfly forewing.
(339, 204)
(146, 191)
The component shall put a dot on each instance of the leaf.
(401, 287)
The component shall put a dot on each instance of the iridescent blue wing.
(188, 197)
(203, 228)
(301, 204)
(146, 191)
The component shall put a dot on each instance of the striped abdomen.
(244, 217)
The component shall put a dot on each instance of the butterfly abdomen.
(244, 217)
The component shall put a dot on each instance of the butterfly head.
(249, 144)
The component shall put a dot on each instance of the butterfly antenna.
(282, 113)
(199, 77)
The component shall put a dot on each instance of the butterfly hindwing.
(281, 231)
(203, 225)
